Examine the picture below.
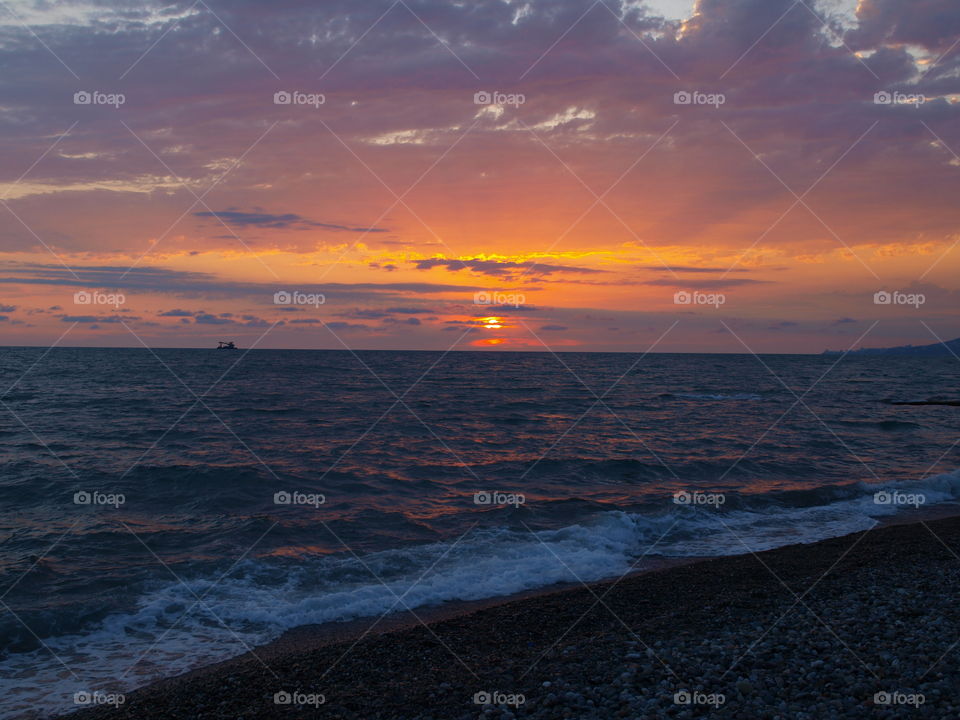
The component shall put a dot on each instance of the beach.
(863, 625)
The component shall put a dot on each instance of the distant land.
(951, 347)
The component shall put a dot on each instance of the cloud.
(692, 269)
(502, 268)
(709, 284)
(410, 311)
(364, 314)
(346, 327)
(110, 319)
(500, 309)
(207, 319)
(461, 329)
(932, 24)
(201, 284)
(796, 98)
(251, 321)
(280, 222)
(783, 325)
(553, 328)
(256, 322)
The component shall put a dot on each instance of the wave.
(263, 597)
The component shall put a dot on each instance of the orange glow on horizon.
(490, 341)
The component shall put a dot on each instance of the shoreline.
(852, 616)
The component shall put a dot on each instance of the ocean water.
(161, 512)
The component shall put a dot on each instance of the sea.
(164, 509)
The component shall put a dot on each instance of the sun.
(489, 341)
(492, 323)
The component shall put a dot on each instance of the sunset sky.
(536, 155)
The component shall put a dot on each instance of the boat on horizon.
(227, 345)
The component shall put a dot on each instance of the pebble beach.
(861, 626)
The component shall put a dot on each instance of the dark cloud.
(110, 319)
(280, 222)
(500, 309)
(707, 284)
(207, 319)
(502, 268)
(782, 325)
(384, 314)
(458, 327)
(798, 97)
(409, 310)
(691, 269)
(198, 284)
(252, 321)
(932, 24)
(369, 314)
(553, 328)
(346, 327)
